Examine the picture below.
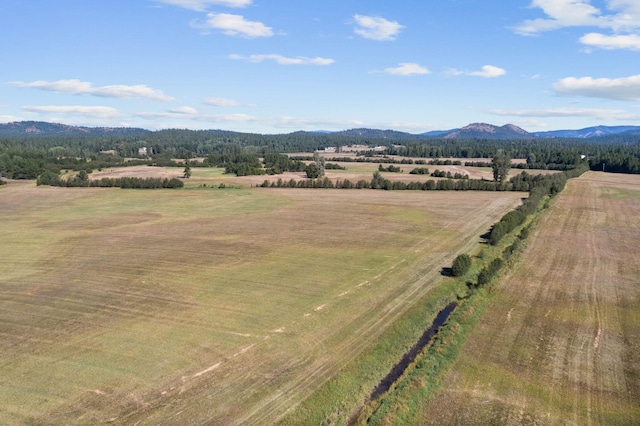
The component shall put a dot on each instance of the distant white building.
(142, 151)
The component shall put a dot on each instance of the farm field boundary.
(558, 342)
(223, 306)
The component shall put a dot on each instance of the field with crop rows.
(208, 305)
(560, 341)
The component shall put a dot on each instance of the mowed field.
(212, 306)
(353, 171)
(560, 342)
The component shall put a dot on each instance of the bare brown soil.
(560, 342)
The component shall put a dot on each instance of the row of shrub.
(81, 180)
(384, 160)
(379, 182)
(449, 175)
(419, 171)
(527, 166)
(391, 168)
(539, 187)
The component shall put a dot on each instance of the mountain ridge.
(44, 128)
(470, 131)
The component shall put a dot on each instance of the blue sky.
(277, 66)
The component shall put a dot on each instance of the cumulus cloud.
(77, 87)
(87, 111)
(200, 5)
(376, 28)
(561, 13)
(488, 71)
(631, 41)
(621, 89)
(284, 60)
(233, 25)
(621, 16)
(407, 69)
(599, 113)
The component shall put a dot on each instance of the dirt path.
(560, 342)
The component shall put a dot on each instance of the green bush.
(461, 265)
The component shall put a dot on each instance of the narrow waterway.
(410, 356)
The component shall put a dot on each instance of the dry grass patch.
(560, 341)
(188, 306)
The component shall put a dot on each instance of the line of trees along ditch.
(28, 157)
(547, 187)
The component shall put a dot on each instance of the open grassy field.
(560, 340)
(354, 171)
(195, 306)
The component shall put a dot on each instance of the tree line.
(27, 157)
(82, 180)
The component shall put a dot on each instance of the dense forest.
(23, 157)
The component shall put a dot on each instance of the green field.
(221, 306)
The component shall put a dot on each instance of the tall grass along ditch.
(400, 387)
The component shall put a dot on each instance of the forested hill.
(600, 134)
(42, 128)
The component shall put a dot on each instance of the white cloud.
(284, 60)
(234, 25)
(631, 41)
(599, 113)
(453, 72)
(8, 118)
(222, 102)
(297, 123)
(200, 5)
(488, 71)
(77, 87)
(187, 110)
(561, 13)
(623, 89)
(376, 28)
(407, 69)
(214, 118)
(87, 111)
(580, 13)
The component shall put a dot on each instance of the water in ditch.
(410, 356)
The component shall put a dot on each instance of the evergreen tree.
(500, 164)
(461, 265)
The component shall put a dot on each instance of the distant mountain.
(437, 133)
(489, 131)
(591, 132)
(41, 128)
(471, 131)
(375, 134)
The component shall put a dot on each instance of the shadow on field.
(446, 272)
